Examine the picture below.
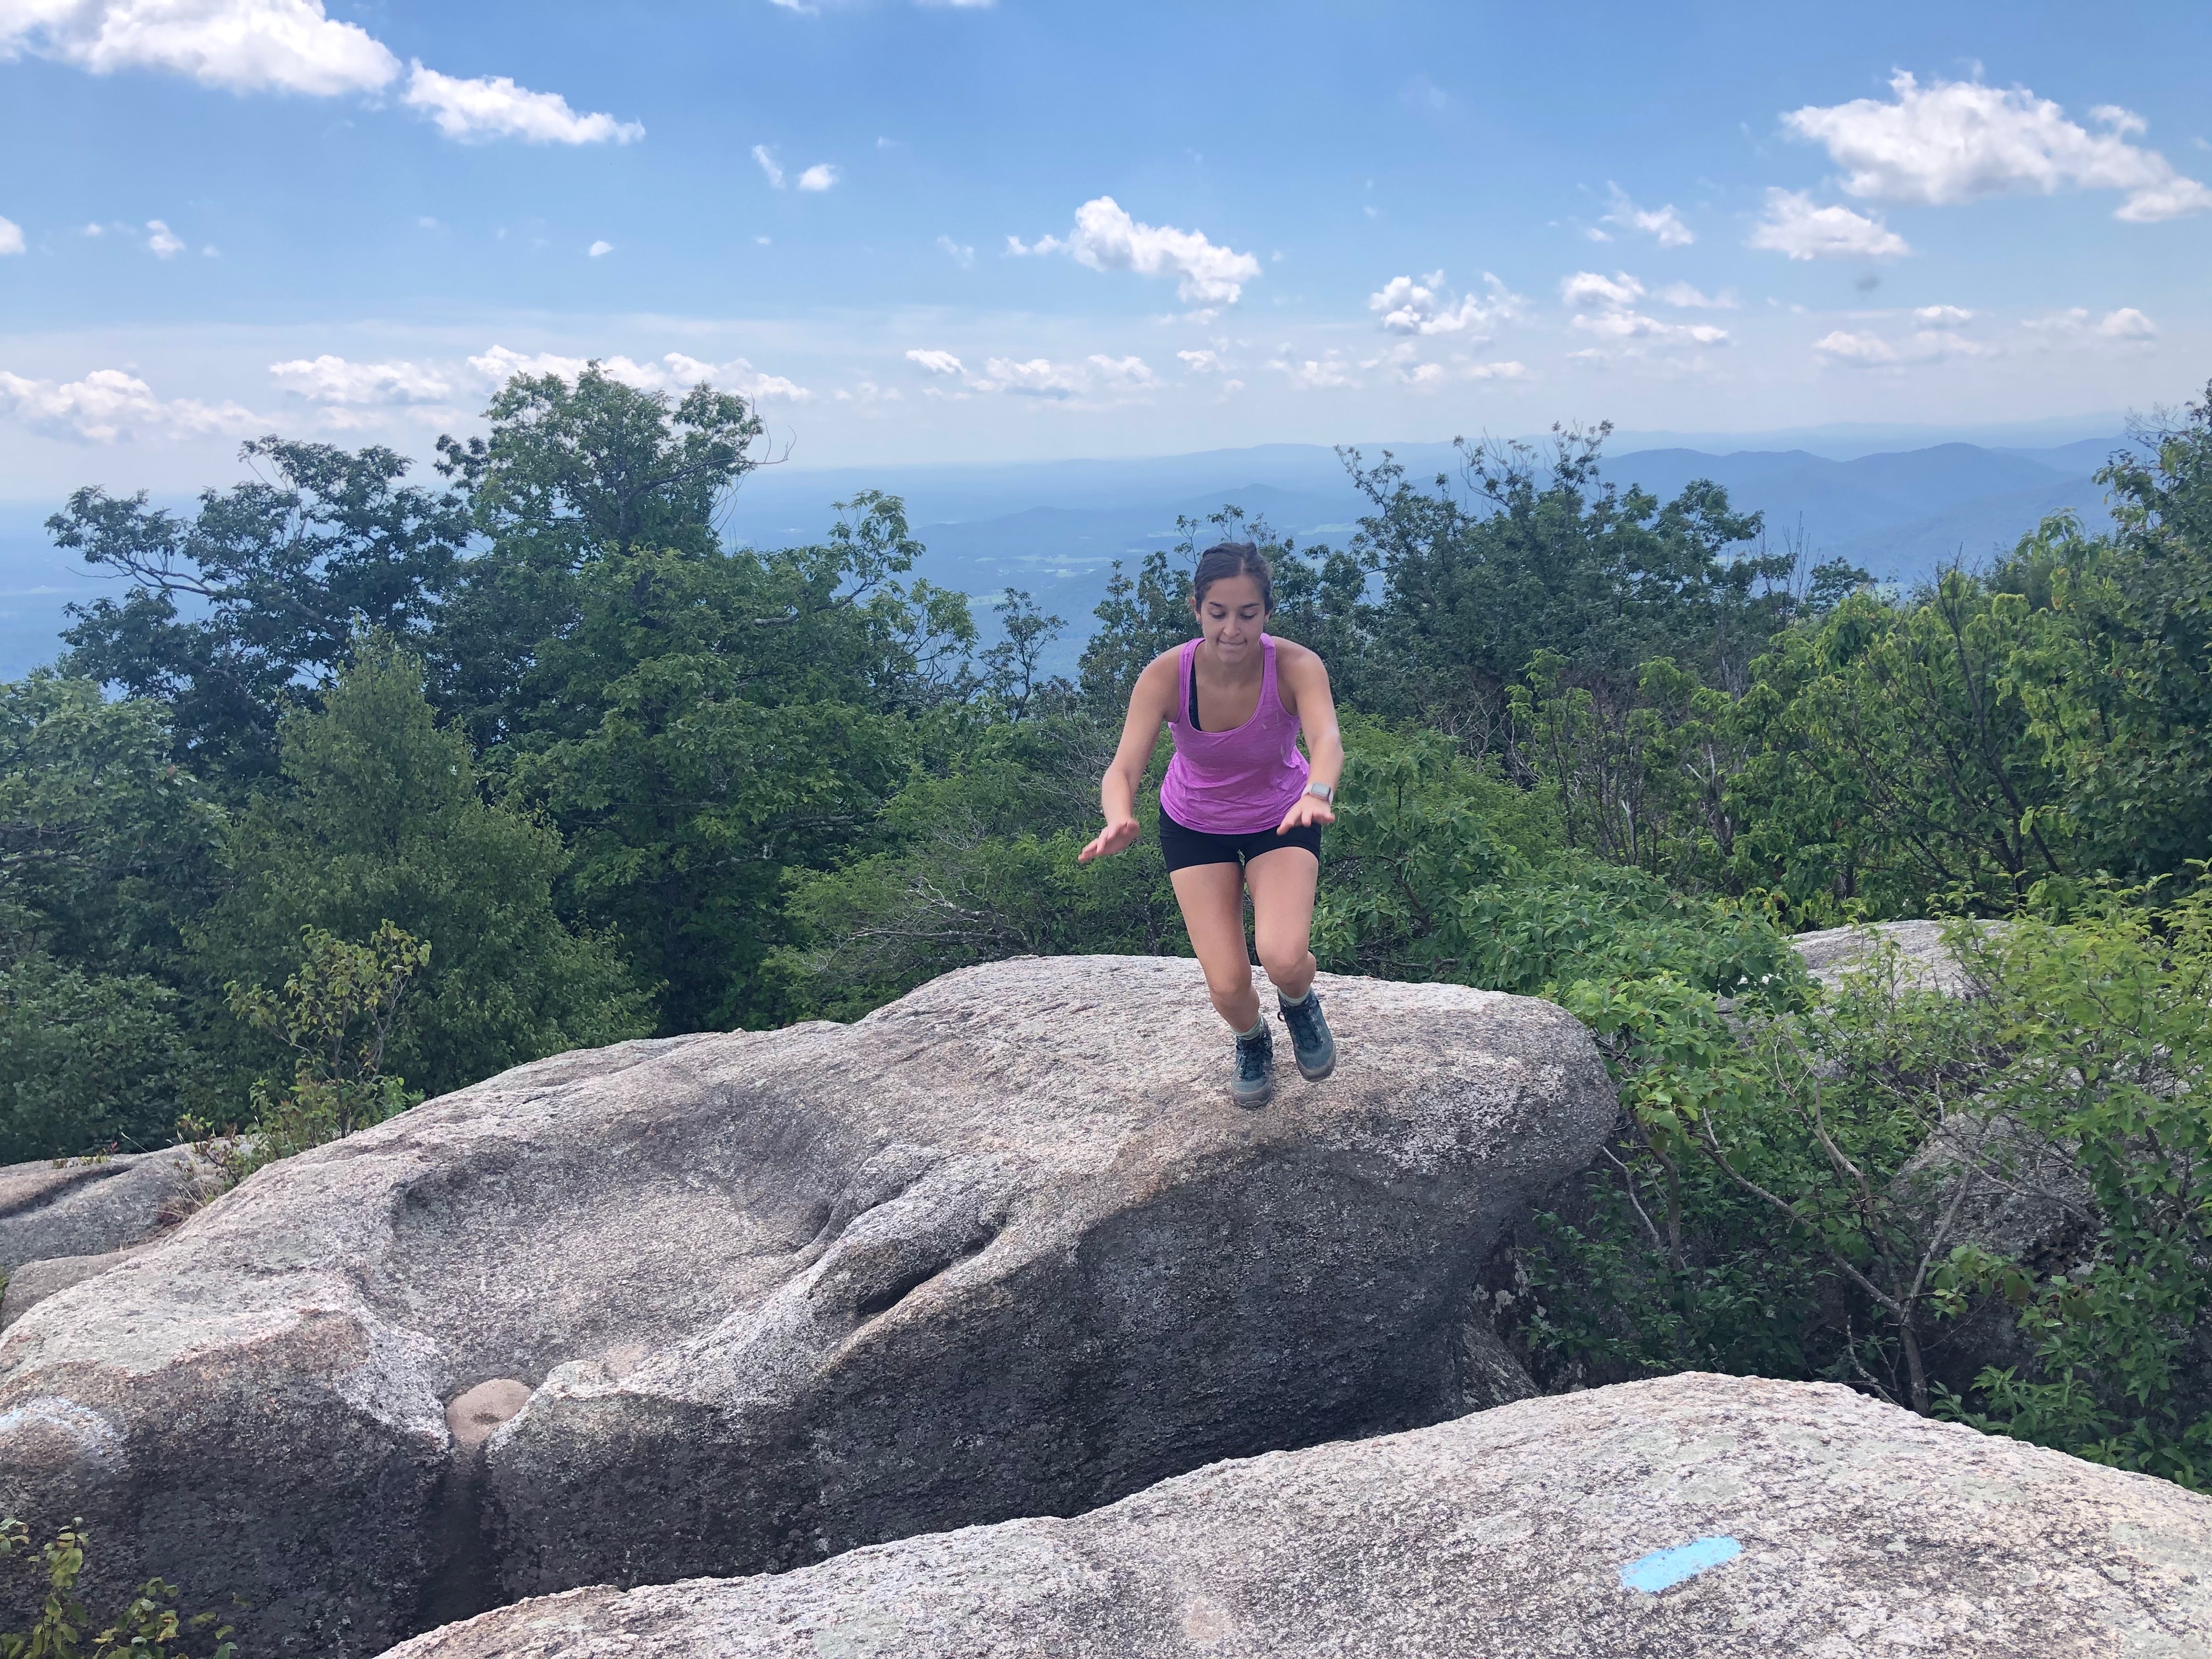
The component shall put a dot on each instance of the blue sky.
(1238, 222)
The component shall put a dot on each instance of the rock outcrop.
(1924, 962)
(86, 1206)
(1724, 1517)
(728, 1302)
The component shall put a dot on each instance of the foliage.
(87, 1059)
(107, 845)
(148, 1625)
(570, 476)
(976, 865)
(1523, 555)
(712, 722)
(337, 1015)
(2094, 1039)
(277, 574)
(382, 819)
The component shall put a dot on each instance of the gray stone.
(1002, 1249)
(1831, 1527)
(1924, 962)
(49, 1210)
(34, 1281)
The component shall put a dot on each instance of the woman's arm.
(1150, 702)
(1307, 677)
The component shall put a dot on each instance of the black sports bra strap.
(1194, 726)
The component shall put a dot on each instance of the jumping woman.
(1241, 809)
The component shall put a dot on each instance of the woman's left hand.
(1306, 809)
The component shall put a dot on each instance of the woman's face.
(1230, 616)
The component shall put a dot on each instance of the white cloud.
(241, 45)
(1427, 307)
(1955, 140)
(1795, 227)
(331, 380)
(2126, 325)
(1662, 222)
(1587, 288)
(1096, 376)
(1325, 372)
(1202, 362)
(737, 375)
(768, 166)
(108, 406)
(1039, 377)
(1635, 325)
(1506, 371)
(964, 257)
(598, 249)
(286, 45)
(674, 372)
(1927, 345)
(163, 243)
(1042, 377)
(1947, 315)
(1106, 238)
(11, 236)
(1611, 314)
(1683, 297)
(821, 176)
(490, 106)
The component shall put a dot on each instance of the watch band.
(1326, 791)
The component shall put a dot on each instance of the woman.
(1241, 809)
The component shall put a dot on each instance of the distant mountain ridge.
(1055, 528)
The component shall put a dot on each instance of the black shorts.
(1185, 846)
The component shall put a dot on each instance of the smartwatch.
(1326, 791)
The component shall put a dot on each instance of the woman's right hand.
(1113, 838)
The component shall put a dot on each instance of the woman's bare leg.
(1282, 884)
(1213, 900)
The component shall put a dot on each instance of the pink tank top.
(1238, 783)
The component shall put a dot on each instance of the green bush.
(1759, 1213)
(148, 1626)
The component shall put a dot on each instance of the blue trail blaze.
(1664, 1569)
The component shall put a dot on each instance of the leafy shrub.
(1765, 1210)
(148, 1625)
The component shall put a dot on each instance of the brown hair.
(1226, 559)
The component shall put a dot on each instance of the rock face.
(78, 1207)
(1724, 1517)
(729, 1303)
(34, 1281)
(1924, 962)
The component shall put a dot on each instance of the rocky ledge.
(732, 1302)
(1724, 1517)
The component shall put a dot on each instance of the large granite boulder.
(90, 1206)
(1925, 962)
(1723, 1517)
(729, 1303)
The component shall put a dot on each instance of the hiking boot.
(1253, 1083)
(1310, 1037)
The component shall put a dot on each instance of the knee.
(1286, 962)
(1228, 987)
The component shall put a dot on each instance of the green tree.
(277, 575)
(1523, 554)
(573, 474)
(107, 851)
(337, 1014)
(712, 721)
(381, 818)
(2119, 691)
